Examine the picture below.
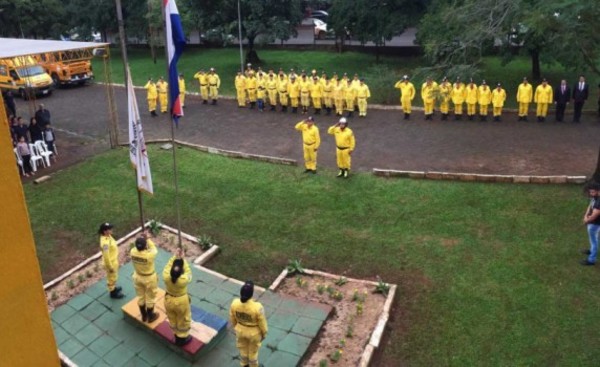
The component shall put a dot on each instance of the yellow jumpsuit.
(240, 88)
(177, 301)
(182, 91)
(339, 90)
(311, 141)
(305, 94)
(484, 98)
(145, 279)
(362, 94)
(250, 325)
(354, 84)
(345, 143)
(407, 94)
(459, 94)
(203, 81)
(328, 95)
(162, 88)
(261, 92)
(316, 94)
(349, 96)
(151, 96)
(214, 83)
(524, 97)
(271, 85)
(445, 94)
(498, 99)
(251, 84)
(293, 88)
(544, 95)
(110, 258)
(428, 96)
(471, 99)
(282, 90)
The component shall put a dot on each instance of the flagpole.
(174, 146)
(126, 76)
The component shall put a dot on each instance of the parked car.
(320, 14)
(320, 30)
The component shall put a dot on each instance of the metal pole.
(240, 37)
(126, 75)
(174, 147)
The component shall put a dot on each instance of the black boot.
(317, 111)
(525, 119)
(182, 341)
(481, 118)
(350, 114)
(205, 101)
(272, 107)
(328, 111)
(214, 102)
(294, 109)
(144, 313)
(153, 113)
(444, 116)
(116, 294)
(459, 117)
(152, 316)
(406, 116)
(470, 117)
(252, 104)
(497, 118)
(283, 108)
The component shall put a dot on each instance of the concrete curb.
(476, 177)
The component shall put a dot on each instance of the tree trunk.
(251, 55)
(535, 64)
(596, 175)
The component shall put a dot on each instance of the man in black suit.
(562, 97)
(580, 94)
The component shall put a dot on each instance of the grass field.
(487, 273)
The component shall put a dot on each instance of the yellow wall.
(26, 337)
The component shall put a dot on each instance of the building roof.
(14, 47)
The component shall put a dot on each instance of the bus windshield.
(30, 70)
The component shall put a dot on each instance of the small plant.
(96, 268)
(335, 356)
(80, 278)
(341, 281)
(295, 267)
(359, 297)
(323, 363)
(300, 282)
(359, 308)
(71, 284)
(154, 227)
(342, 343)
(88, 274)
(382, 287)
(330, 290)
(53, 296)
(205, 241)
(337, 295)
(320, 288)
(350, 330)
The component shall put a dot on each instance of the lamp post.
(240, 37)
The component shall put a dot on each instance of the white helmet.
(343, 121)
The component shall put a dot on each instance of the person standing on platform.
(562, 97)
(543, 98)
(162, 88)
(151, 96)
(407, 94)
(247, 317)
(110, 259)
(311, 141)
(177, 274)
(428, 92)
(240, 89)
(214, 83)
(445, 96)
(580, 95)
(498, 99)
(484, 98)
(202, 78)
(459, 94)
(182, 90)
(524, 97)
(145, 279)
(471, 97)
(345, 143)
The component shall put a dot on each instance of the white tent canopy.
(15, 47)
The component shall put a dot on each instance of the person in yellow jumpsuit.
(544, 96)
(345, 143)
(524, 97)
(182, 90)
(471, 99)
(293, 89)
(202, 78)
(349, 96)
(162, 88)
(428, 94)
(145, 279)
(339, 90)
(327, 93)
(214, 83)
(240, 89)
(305, 93)
(459, 94)
(445, 89)
(316, 94)
(362, 95)
(271, 85)
(311, 141)
(261, 90)
(247, 317)
(407, 94)
(110, 259)
(152, 96)
(498, 99)
(484, 98)
(282, 90)
(355, 83)
(251, 85)
(177, 274)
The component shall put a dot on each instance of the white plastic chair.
(42, 150)
(19, 161)
(35, 157)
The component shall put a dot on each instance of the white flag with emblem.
(137, 145)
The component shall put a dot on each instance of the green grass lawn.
(381, 77)
(487, 273)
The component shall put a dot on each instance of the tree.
(32, 19)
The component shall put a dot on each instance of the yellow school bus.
(68, 67)
(24, 76)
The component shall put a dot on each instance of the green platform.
(91, 331)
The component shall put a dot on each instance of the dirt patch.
(84, 278)
(449, 242)
(348, 329)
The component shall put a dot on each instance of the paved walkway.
(384, 140)
(91, 330)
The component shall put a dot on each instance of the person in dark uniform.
(42, 116)
(35, 131)
(562, 97)
(580, 95)
(9, 102)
